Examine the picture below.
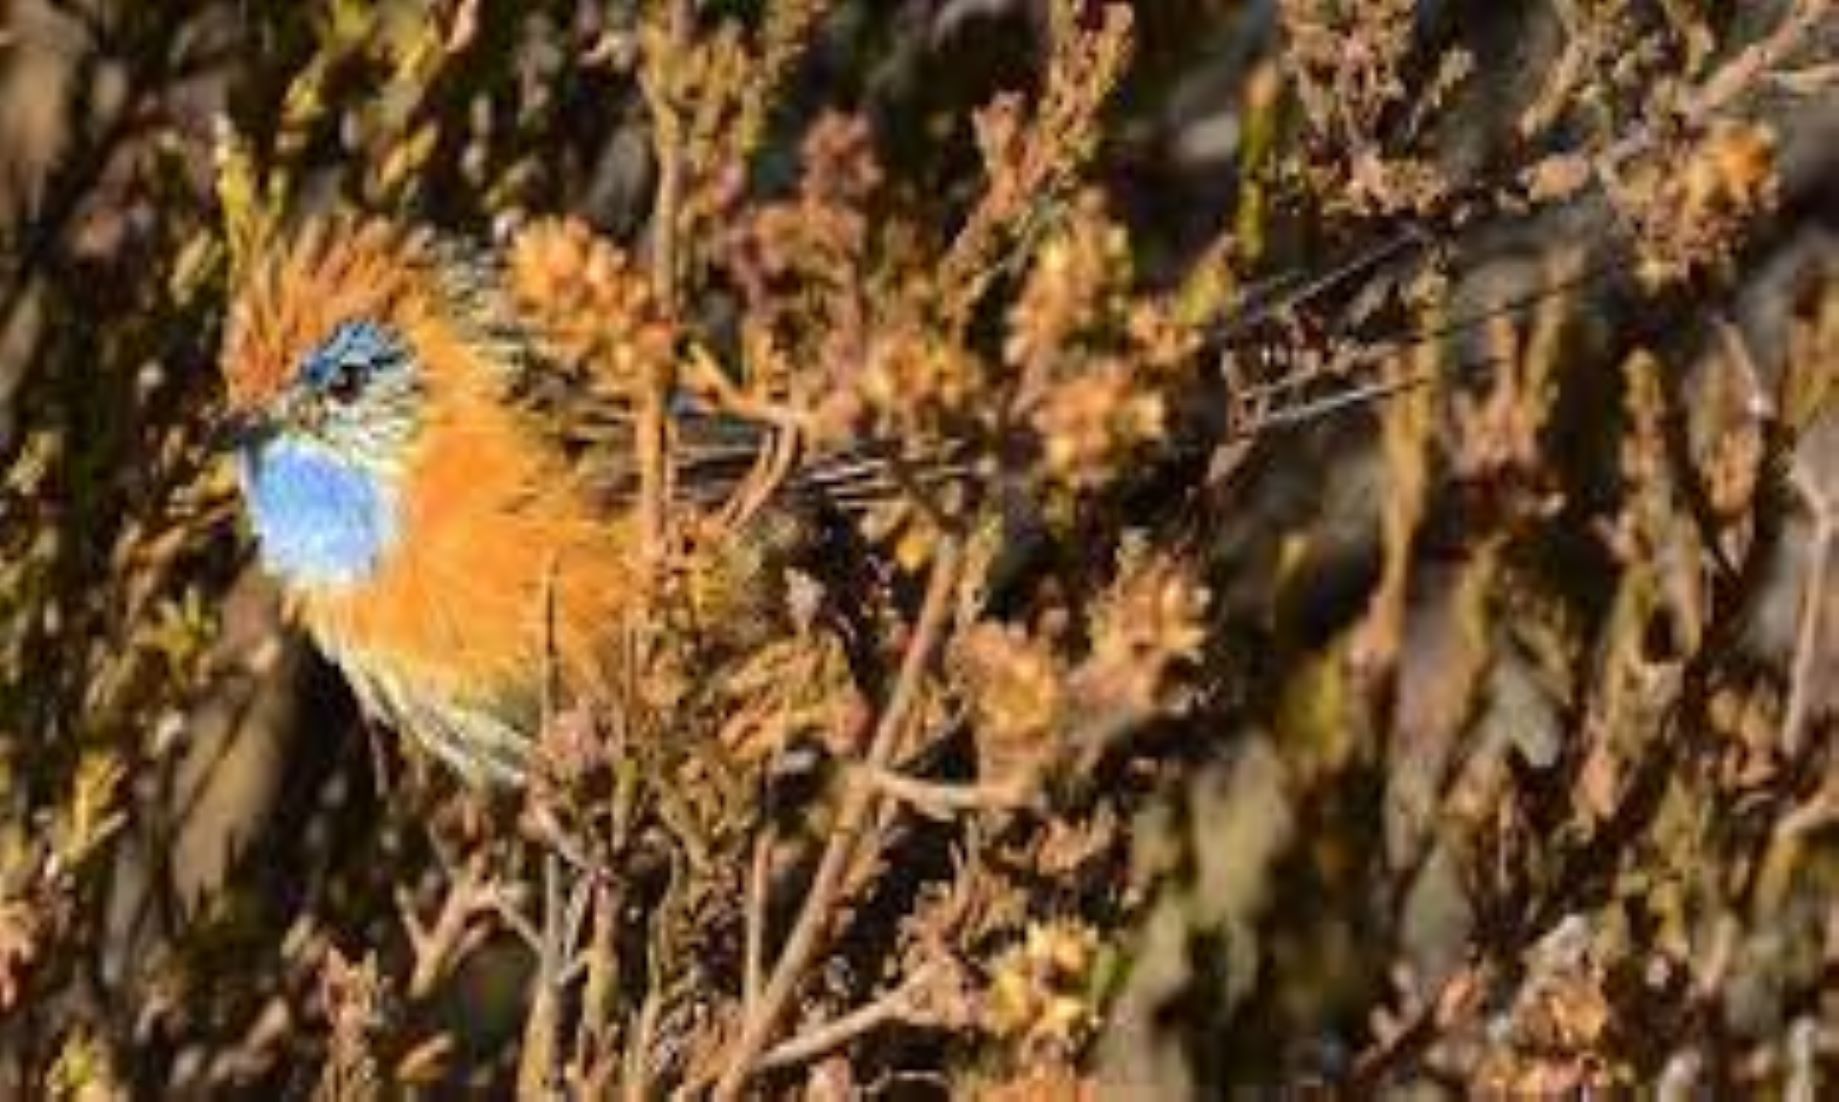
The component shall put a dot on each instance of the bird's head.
(332, 348)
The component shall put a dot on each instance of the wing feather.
(594, 419)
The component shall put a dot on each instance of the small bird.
(452, 512)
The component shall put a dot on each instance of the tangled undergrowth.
(1352, 605)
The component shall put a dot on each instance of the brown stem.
(1813, 601)
(894, 1006)
(939, 797)
(860, 801)
(1458, 996)
(667, 130)
(754, 966)
(539, 1068)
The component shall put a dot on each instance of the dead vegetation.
(1380, 632)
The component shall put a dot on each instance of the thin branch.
(538, 1071)
(636, 1072)
(1766, 55)
(667, 143)
(599, 988)
(1458, 997)
(637, 1058)
(667, 131)
(754, 966)
(898, 1005)
(439, 944)
(1813, 601)
(552, 666)
(943, 797)
(514, 919)
(860, 801)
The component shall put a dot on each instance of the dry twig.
(1813, 602)
(860, 802)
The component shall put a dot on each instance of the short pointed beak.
(235, 430)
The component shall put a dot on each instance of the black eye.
(346, 382)
(340, 370)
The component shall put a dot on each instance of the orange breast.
(493, 530)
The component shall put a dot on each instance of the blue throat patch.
(320, 519)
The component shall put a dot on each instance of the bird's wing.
(710, 453)
(593, 417)
(713, 454)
